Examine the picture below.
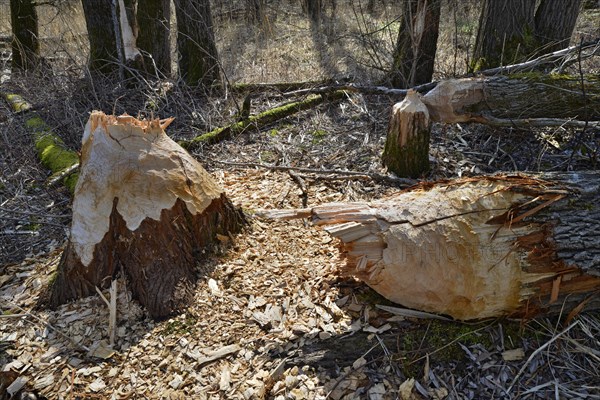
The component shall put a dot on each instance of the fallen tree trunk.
(259, 120)
(52, 152)
(478, 247)
(527, 96)
(142, 207)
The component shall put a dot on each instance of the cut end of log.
(143, 206)
(471, 248)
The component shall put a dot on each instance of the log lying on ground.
(517, 98)
(52, 152)
(142, 207)
(477, 247)
(260, 120)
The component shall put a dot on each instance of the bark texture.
(406, 151)
(145, 208)
(100, 23)
(505, 26)
(414, 55)
(484, 99)
(511, 31)
(153, 18)
(554, 24)
(478, 247)
(198, 57)
(25, 44)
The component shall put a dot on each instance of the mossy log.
(260, 120)
(406, 151)
(515, 97)
(476, 248)
(51, 149)
(145, 208)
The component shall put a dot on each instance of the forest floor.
(272, 317)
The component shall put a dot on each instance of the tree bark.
(554, 24)
(505, 27)
(507, 98)
(25, 44)
(104, 56)
(198, 58)
(414, 55)
(478, 247)
(406, 151)
(143, 207)
(154, 18)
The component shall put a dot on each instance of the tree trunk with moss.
(198, 57)
(24, 24)
(406, 151)
(414, 55)
(153, 17)
(144, 208)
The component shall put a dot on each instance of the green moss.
(318, 135)
(18, 103)
(180, 325)
(273, 132)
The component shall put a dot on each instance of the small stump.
(406, 151)
(145, 207)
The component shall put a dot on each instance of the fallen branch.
(361, 175)
(259, 120)
(51, 150)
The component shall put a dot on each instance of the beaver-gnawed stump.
(144, 207)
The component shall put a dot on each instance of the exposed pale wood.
(475, 248)
(143, 206)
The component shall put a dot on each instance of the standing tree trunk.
(505, 29)
(198, 58)
(313, 9)
(554, 24)
(142, 207)
(414, 55)
(25, 44)
(406, 151)
(104, 55)
(153, 17)
(512, 30)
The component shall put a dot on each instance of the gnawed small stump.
(144, 207)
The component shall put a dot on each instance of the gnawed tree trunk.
(142, 207)
(478, 247)
(406, 151)
(525, 96)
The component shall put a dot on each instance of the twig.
(374, 176)
(302, 186)
(535, 353)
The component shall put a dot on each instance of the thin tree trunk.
(198, 57)
(25, 43)
(104, 55)
(554, 24)
(414, 55)
(154, 36)
(505, 28)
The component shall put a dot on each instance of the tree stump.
(406, 151)
(478, 247)
(144, 207)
